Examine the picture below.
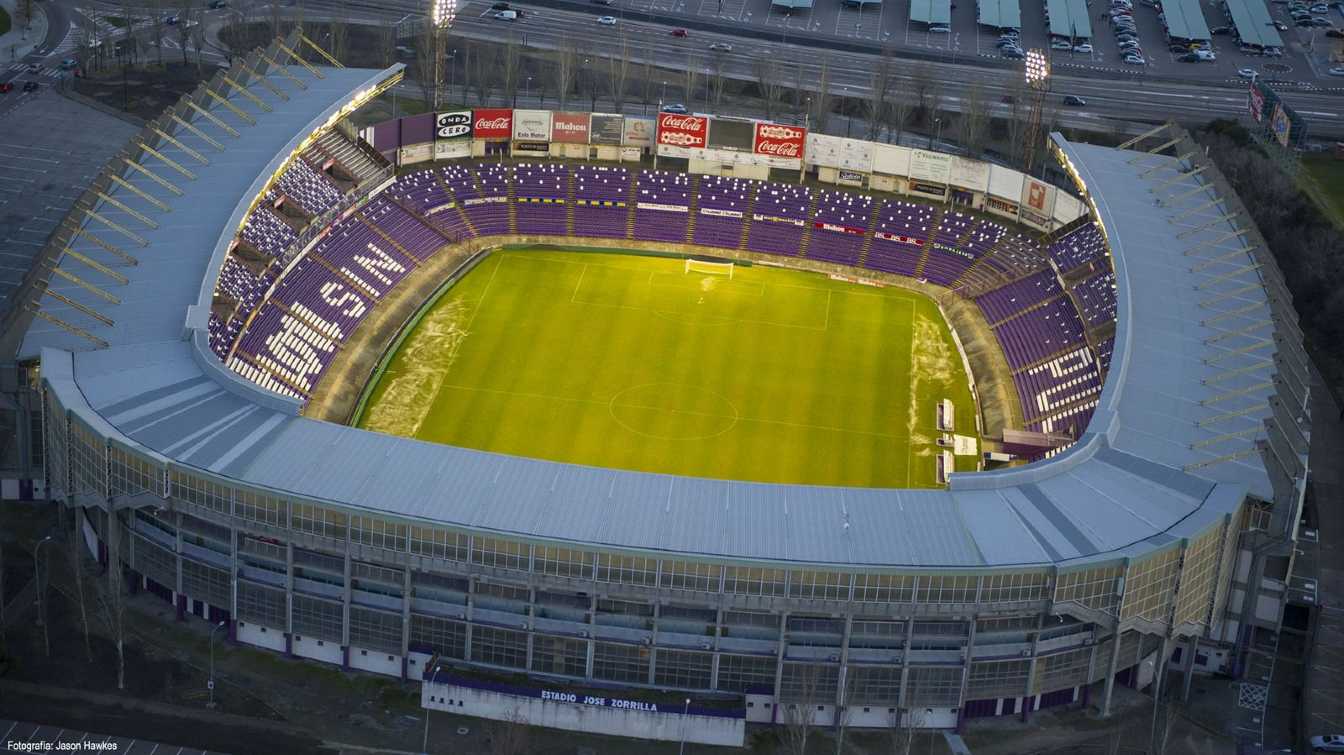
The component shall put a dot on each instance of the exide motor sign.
(685, 131)
(784, 143)
(452, 125)
(493, 123)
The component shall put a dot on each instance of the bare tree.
(717, 81)
(618, 74)
(921, 86)
(768, 83)
(898, 114)
(197, 45)
(798, 90)
(800, 712)
(156, 28)
(509, 736)
(184, 21)
(880, 81)
(565, 70)
(974, 120)
(509, 66)
(424, 63)
(821, 101)
(482, 75)
(76, 564)
(111, 594)
(691, 74)
(128, 55)
(275, 19)
(842, 710)
(646, 88)
(902, 732)
(1165, 717)
(339, 33)
(1017, 93)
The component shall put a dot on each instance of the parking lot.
(889, 22)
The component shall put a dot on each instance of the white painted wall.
(671, 727)
(307, 647)
(262, 637)
(375, 661)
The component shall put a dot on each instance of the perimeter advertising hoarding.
(492, 123)
(735, 136)
(782, 145)
(969, 174)
(1280, 125)
(891, 160)
(684, 131)
(1257, 103)
(453, 125)
(930, 166)
(638, 132)
(531, 125)
(606, 129)
(1005, 183)
(1038, 197)
(569, 128)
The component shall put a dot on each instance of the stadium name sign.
(604, 702)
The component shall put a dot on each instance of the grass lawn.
(626, 361)
(1323, 180)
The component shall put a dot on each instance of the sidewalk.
(22, 38)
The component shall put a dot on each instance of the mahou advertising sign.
(569, 128)
(782, 144)
(683, 131)
(493, 123)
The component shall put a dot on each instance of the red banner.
(677, 130)
(569, 128)
(493, 123)
(775, 140)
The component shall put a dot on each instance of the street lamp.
(527, 88)
(682, 748)
(424, 744)
(37, 575)
(211, 684)
(441, 14)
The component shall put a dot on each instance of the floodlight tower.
(442, 13)
(1038, 84)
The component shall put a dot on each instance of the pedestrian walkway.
(22, 38)
(33, 70)
(20, 736)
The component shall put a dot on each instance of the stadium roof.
(1185, 20)
(1165, 456)
(1001, 14)
(1254, 26)
(1070, 18)
(931, 11)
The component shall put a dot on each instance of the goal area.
(708, 268)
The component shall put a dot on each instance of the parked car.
(171, 20)
(1281, 26)
(1061, 44)
(1014, 53)
(607, 20)
(217, 4)
(500, 6)
(1319, 8)
(1084, 47)
(675, 107)
(1135, 60)
(6, 87)
(1304, 22)
(1321, 21)
(721, 47)
(1205, 55)
(1190, 57)
(940, 29)
(1336, 33)
(1247, 73)
(507, 15)
(1178, 49)
(1328, 742)
(30, 86)
(1074, 100)
(68, 64)
(1221, 30)
(1336, 71)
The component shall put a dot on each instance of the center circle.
(673, 411)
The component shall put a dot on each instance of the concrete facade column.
(841, 698)
(905, 669)
(289, 598)
(653, 644)
(471, 605)
(345, 606)
(718, 632)
(1190, 650)
(531, 624)
(405, 617)
(592, 641)
(1111, 669)
(1027, 697)
(966, 673)
(779, 664)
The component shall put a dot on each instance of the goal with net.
(709, 268)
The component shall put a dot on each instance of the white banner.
(836, 152)
(532, 125)
(445, 149)
(969, 174)
(891, 160)
(1005, 183)
(930, 166)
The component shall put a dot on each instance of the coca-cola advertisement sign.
(452, 125)
(569, 128)
(687, 131)
(775, 140)
(493, 123)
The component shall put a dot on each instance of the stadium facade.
(181, 448)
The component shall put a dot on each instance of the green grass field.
(626, 361)
(1322, 179)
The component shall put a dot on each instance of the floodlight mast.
(442, 13)
(1037, 71)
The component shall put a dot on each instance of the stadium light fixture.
(1037, 68)
(443, 12)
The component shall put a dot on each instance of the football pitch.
(626, 361)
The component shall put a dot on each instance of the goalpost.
(709, 268)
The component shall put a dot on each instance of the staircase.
(416, 214)
(631, 203)
(870, 234)
(457, 203)
(513, 203)
(693, 209)
(366, 220)
(746, 218)
(351, 157)
(934, 225)
(569, 205)
(806, 243)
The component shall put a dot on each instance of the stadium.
(661, 426)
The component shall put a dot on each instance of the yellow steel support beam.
(117, 203)
(155, 177)
(72, 329)
(136, 190)
(166, 160)
(209, 116)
